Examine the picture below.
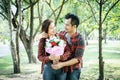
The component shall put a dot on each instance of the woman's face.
(52, 29)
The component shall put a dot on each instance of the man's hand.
(54, 58)
(57, 66)
(51, 57)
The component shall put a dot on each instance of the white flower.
(56, 40)
(61, 43)
(48, 44)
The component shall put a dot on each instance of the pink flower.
(55, 46)
(56, 50)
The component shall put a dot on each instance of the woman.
(47, 60)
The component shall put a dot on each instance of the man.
(77, 46)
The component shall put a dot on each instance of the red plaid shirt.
(43, 56)
(77, 47)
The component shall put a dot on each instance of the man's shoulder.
(80, 36)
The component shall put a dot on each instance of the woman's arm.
(41, 51)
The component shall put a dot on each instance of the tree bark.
(15, 57)
(25, 40)
(30, 44)
(101, 63)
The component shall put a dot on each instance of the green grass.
(90, 71)
(111, 58)
(5, 65)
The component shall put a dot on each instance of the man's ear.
(75, 26)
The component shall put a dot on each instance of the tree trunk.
(25, 40)
(101, 63)
(105, 36)
(13, 49)
(15, 58)
(30, 45)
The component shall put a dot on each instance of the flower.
(54, 41)
(55, 46)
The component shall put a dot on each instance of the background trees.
(25, 17)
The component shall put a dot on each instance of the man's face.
(68, 26)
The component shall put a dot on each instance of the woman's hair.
(45, 25)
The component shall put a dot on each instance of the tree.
(111, 23)
(6, 9)
(101, 4)
(19, 16)
(57, 11)
(27, 40)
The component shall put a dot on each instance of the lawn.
(90, 70)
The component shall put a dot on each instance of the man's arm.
(70, 62)
(66, 63)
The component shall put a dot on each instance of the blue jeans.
(51, 74)
(75, 75)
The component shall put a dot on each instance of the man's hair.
(74, 19)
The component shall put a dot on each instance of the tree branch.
(105, 1)
(92, 11)
(56, 9)
(26, 1)
(86, 19)
(3, 15)
(110, 10)
(59, 12)
(40, 19)
(30, 5)
(97, 1)
(49, 4)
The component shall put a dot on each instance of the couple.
(68, 65)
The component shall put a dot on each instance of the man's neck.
(72, 33)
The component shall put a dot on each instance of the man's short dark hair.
(74, 19)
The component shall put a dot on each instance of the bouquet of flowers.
(55, 46)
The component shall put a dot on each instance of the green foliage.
(4, 31)
(4, 6)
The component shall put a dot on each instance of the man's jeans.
(51, 74)
(75, 75)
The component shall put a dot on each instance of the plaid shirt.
(43, 56)
(77, 46)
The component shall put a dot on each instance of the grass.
(111, 58)
(90, 71)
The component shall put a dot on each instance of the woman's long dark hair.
(45, 25)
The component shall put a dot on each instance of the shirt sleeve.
(67, 50)
(66, 54)
(41, 51)
(80, 48)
